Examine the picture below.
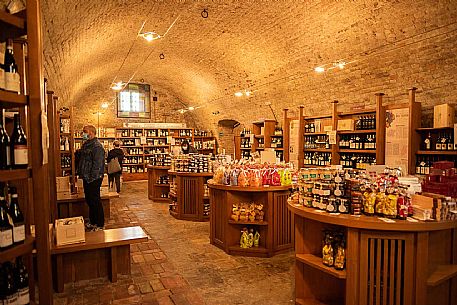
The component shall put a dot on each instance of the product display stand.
(275, 230)
(187, 194)
(156, 190)
(399, 262)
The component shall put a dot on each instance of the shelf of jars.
(158, 178)
(363, 218)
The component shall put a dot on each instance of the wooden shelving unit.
(155, 140)
(276, 234)
(66, 162)
(188, 202)
(429, 278)
(155, 189)
(32, 184)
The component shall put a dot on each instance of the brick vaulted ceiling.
(270, 47)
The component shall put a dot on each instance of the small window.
(134, 102)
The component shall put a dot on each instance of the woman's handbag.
(114, 166)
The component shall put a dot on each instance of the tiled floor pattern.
(179, 266)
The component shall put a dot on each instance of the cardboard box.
(347, 124)
(70, 231)
(443, 116)
(328, 128)
(63, 184)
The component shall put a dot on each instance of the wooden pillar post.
(334, 147)
(285, 135)
(39, 170)
(301, 127)
(414, 123)
(380, 130)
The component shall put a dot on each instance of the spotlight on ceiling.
(319, 69)
(117, 86)
(181, 111)
(150, 36)
(248, 93)
(340, 64)
(239, 94)
(191, 108)
(105, 105)
(204, 13)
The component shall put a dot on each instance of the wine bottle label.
(11, 300)
(6, 238)
(23, 296)
(12, 82)
(21, 155)
(18, 233)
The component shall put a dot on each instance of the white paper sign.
(332, 137)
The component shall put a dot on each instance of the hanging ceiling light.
(150, 36)
(117, 86)
(105, 105)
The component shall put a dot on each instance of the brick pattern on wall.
(270, 47)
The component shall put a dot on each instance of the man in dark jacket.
(91, 168)
(118, 153)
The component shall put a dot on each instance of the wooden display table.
(386, 263)
(187, 198)
(72, 205)
(275, 231)
(155, 190)
(105, 253)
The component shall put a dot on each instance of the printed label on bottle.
(18, 233)
(23, 296)
(12, 82)
(21, 155)
(6, 238)
(11, 300)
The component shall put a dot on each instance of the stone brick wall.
(269, 47)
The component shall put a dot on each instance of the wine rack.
(33, 180)
(263, 135)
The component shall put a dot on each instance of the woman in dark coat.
(118, 153)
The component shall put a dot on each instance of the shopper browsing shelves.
(114, 160)
(91, 168)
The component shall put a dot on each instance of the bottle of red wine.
(6, 229)
(19, 149)
(4, 145)
(21, 280)
(17, 218)
(9, 288)
(12, 79)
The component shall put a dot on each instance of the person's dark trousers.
(92, 194)
(115, 177)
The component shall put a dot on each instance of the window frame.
(142, 88)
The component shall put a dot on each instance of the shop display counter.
(187, 195)
(387, 262)
(275, 225)
(158, 191)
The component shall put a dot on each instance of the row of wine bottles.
(443, 141)
(12, 224)
(358, 141)
(9, 76)
(14, 150)
(313, 142)
(14, 283)
(365, 122)
(357, 161)
(64, 144)
(317, 158)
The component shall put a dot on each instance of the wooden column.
(285, 135)
(53, 153)
(39, 170)
(301, 126)
(380, 130)
(414, 123)
(334, 147)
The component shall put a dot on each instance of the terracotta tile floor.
(178, 265)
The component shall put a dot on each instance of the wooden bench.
(105, 253)
(72, 205)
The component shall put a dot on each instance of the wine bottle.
(5, 162)
(438, 143)
(17, 218)
(12, 79)
(62, 144)
(9, 287)
(21, 280)
(428, 142)
(450, 142)
(19, 150)
(6, 229)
